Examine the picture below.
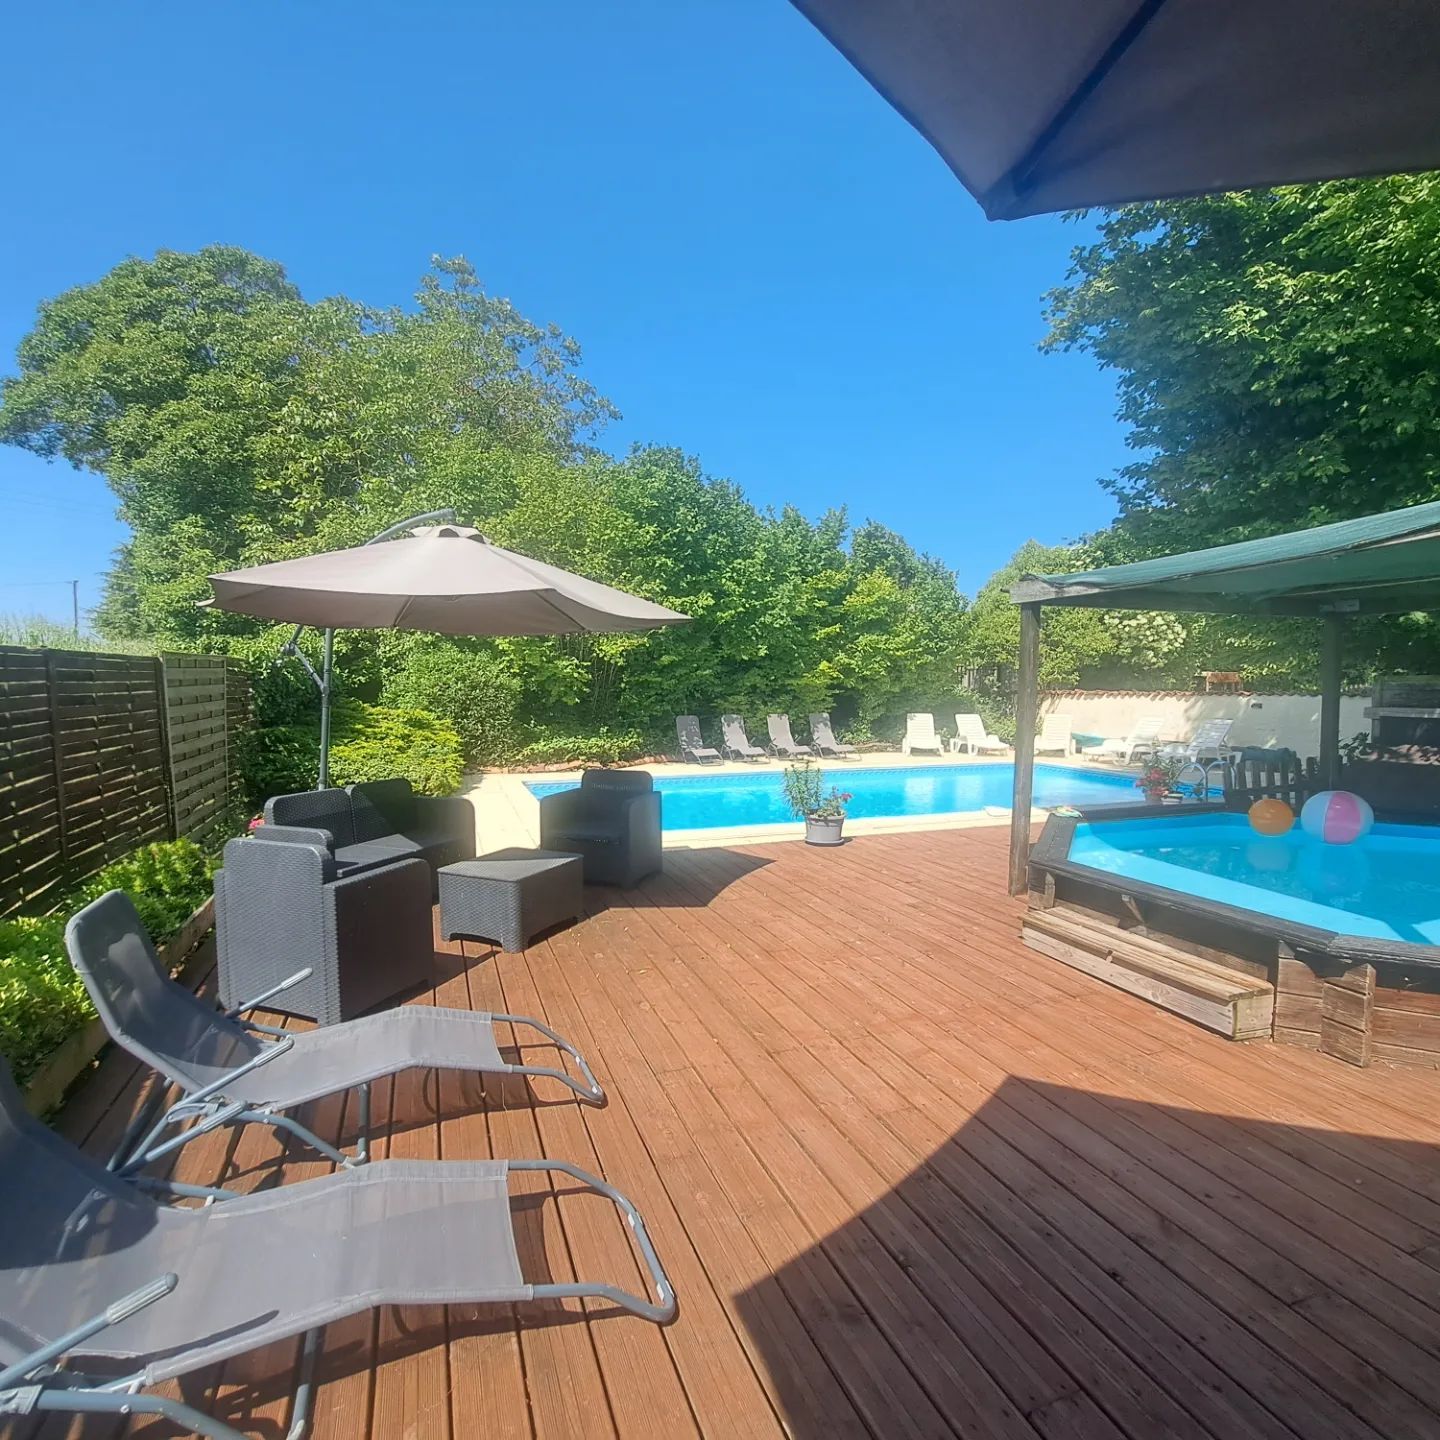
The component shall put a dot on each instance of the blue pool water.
(706, 802)
(1385, 886)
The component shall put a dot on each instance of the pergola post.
(1027, 706)
(1332, 648)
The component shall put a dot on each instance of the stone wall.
(1292, 721)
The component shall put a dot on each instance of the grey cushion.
(370, 853)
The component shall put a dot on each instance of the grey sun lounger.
(692, 746)
(130, 1292)
(232, 1071)
(782, 741)
(735, 742)
(824, 737)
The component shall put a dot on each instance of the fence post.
(61, 822)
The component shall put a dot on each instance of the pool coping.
(1051, 855)
(507, 813)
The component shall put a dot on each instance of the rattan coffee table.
(510, 895)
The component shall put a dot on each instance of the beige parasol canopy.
(446, 578)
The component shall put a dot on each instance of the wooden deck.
(910, 1180)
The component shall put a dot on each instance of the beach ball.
(1337, 817)
(1271, 817)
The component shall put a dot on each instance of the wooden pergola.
(1378, 565)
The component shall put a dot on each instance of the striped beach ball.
(1337, 817)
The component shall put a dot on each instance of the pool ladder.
(1200, 788)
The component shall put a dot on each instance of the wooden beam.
(1027, 706)
(1332, 645)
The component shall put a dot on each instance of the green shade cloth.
(1379, 564)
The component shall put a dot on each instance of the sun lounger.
(692, 747)
(972, 736)
(1211, 741)
(782, 742)
(735, 743)
(824, 737)
(97, 1269)
(1143, 739)
(231, 1071)
(920, 735)
(1054, 736)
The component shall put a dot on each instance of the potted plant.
(822, 810)
(1158, 778)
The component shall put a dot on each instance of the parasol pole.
(323, 677)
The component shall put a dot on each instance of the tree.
(1278, 362)
(1073, 644)
(1277, 354)
(238, 422)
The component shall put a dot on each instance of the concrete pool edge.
(508, 813)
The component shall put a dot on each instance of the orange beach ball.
(1271, 817)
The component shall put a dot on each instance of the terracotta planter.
(1156, 796)
(824, 829)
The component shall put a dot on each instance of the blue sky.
(762, 262)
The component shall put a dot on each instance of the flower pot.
(824, 829)
(1154, 797)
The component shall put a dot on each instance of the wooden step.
(1236, 1005)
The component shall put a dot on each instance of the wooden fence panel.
(197, 740)
(102, 753)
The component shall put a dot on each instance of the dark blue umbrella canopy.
(1041, 105)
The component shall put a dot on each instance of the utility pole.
(75, 607)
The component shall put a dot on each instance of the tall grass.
(41, 632)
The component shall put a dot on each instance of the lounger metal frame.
(208, 1109)
(33, 1385)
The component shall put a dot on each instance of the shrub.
(367, 742)
(598, 747)
(42, 1001)
(374, 742)
(167, 881)
(474, 691)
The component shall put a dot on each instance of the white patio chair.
(920, 735)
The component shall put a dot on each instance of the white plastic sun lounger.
(1143, 739)
(920, 735)
(972, 736)
(1054, 735)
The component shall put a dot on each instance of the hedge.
(42, 1002)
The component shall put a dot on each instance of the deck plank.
(910, 1178)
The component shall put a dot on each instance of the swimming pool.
(1384, 887)
(709, 802)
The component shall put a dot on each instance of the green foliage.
(367, 742)
(167, 881)
(1074, 643)
(600, 747)
(40, 632)
(1277, 356)
(468, 684)
(374, 742)
(239, 423)
(41, 998)
(807, 795)
(42, 1001)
